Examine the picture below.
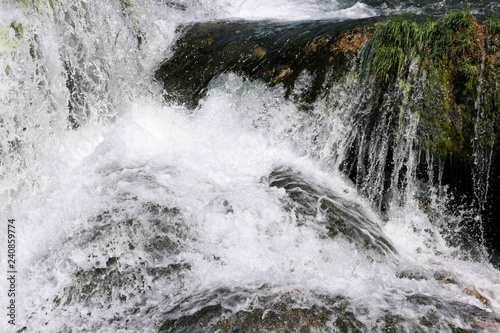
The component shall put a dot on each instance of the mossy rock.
(450, 51)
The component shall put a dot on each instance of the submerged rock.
(340, 217)
(124, 253)
(276, 313)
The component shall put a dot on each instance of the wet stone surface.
(274, 52)
(341, 218)
(129, 248)
(263, 311)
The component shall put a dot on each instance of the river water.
(130, 211)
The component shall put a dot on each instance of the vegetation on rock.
(451, 53)
(448, 68)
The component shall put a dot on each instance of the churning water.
(130, 212)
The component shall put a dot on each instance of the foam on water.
(298, 10)
(276, 10)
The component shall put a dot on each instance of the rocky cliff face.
(424, 99)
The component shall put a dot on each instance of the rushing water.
(131, 211)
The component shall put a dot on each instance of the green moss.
(29, 4)
(453, 43)
(392, 42)
(450, 38)
(493, 25)
(455, 19)
(469, 70)
(126, 3)
(489, 122)
(449, 53)
(26, 3)
(7, 42)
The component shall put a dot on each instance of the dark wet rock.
(340, 217)
(474, 318)
(157, 230)
(274, 52)
(264, 311)
(116, 283)
(161, 245)
(129, 248)
(440, 276)
(445, 277)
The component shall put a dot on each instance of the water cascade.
(226, 166)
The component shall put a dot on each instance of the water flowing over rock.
(294, 311)
(339, 217)
(423, 97)
(274, 52)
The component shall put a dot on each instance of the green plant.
(493, 24)
(449, 52)
(469, 70)
(392, 42)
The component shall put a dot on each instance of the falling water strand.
(482, 153)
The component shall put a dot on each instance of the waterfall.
(263, 199)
